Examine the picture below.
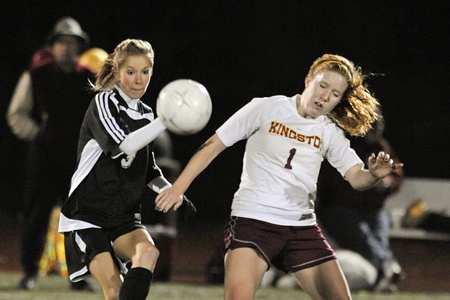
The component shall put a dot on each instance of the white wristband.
(159, 184)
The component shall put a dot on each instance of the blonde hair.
(358, 108)
(106, 80)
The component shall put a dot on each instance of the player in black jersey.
(101, 217)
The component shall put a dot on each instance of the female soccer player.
(272, 216)
(101, 217)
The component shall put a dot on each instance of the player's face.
(134, 76)
(322, 93)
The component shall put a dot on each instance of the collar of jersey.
(131, 102)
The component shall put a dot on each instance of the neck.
(298, 101)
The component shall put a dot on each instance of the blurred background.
(245, 49)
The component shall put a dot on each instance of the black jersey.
(107, 186)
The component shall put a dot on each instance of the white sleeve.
(243, 123)
(138, 139)
(18, 115)
(340, 154)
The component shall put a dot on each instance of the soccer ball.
(184, 106)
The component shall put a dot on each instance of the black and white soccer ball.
(184, 106)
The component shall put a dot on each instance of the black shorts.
(83, 245)
(288, 248)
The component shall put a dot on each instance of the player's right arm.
(173, 197)
(107, 125)
(140, 138)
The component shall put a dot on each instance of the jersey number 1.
(291, 156)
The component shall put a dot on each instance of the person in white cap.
(46, 111)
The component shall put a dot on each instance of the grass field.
(56, 288)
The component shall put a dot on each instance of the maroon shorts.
(288, 248)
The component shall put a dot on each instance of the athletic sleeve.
(105, 124)
(244, 122)
(140, 138)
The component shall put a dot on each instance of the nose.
(326, 95)
(138, 78)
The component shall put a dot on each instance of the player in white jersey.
(272, 217)
(101, 217)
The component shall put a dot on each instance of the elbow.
(362, 186)
(24, 132)
(126, 146)
(357, 186)
(361, 189)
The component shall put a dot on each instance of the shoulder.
(272, 99)
(270, 104)
(106, 100)
(106, 95)
(41, 69)
(328, 124)
(111, 96)
(332, 133)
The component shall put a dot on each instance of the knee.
(153, 253)
(146, 257)
(239, 289)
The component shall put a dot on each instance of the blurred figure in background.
(356, 220)
(46, 111)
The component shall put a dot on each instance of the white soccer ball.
(184, 106)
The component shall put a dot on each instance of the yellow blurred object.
(414, 214)
(93, 59)
(417, 209)
(53, 259)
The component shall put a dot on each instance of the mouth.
(318, 104)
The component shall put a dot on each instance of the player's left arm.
(379, 166)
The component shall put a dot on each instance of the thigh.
(380, 223)
(244, 270)
(82, 246)
(137, 246)
(324, 281)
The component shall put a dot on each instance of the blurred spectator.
(357, 220)
(46, 111)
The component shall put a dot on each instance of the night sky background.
(251, 48)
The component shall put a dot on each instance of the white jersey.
(282, 159)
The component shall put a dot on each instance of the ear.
(308, 79)
(116, 73)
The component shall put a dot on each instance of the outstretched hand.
(169, 198)
(382, 165)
